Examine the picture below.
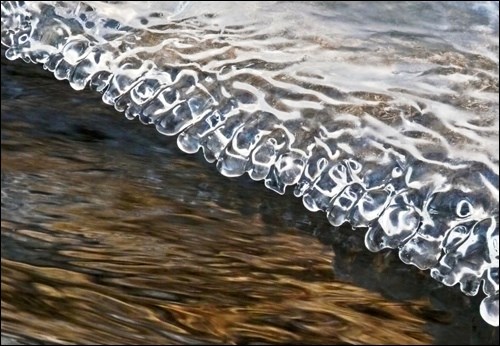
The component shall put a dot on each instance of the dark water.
(111, 235)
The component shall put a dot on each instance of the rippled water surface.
(383, 116)
(111, 235)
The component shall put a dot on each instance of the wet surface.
(111, 235)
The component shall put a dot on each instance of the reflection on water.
(110, 235)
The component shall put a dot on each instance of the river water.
(111, 235)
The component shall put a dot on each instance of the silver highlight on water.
(382, 115)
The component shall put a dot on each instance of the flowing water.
(379, 117)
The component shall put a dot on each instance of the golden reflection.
(234, 284)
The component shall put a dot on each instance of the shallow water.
(384, 116)
(111, 235)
